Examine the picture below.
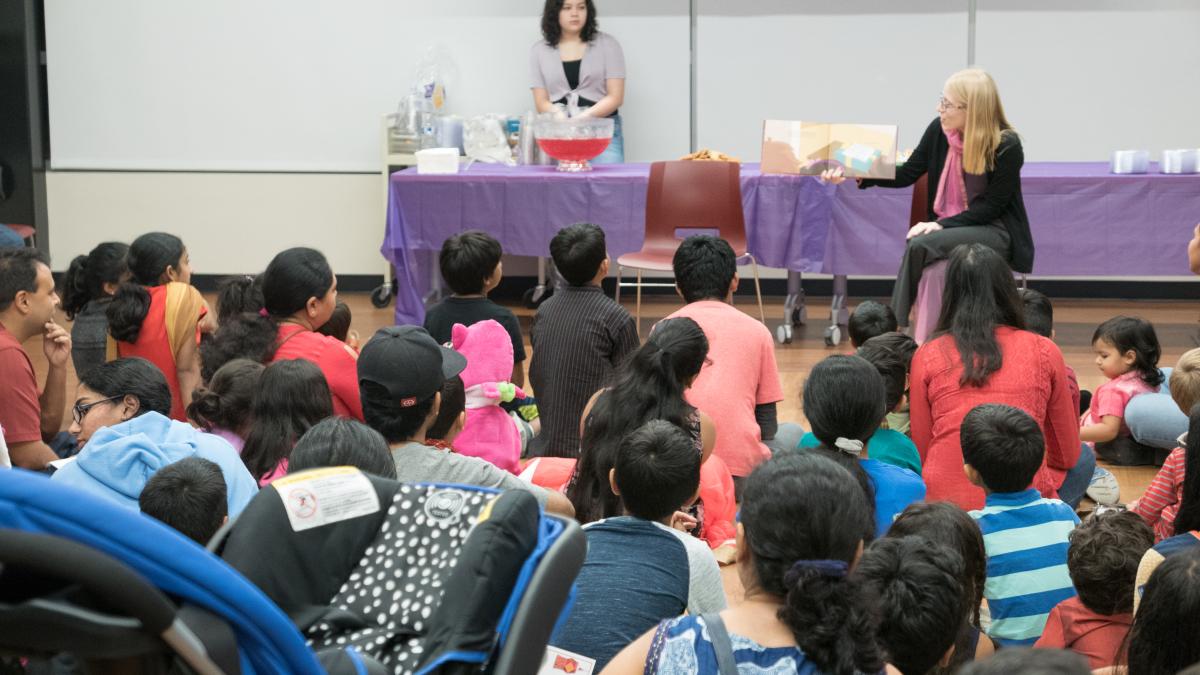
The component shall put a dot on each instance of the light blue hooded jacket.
(118, 460)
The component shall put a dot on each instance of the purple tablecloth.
(1086, 221)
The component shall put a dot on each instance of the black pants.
(927, 249)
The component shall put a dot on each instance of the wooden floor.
(1175, 322)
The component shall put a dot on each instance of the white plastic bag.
(485, 140)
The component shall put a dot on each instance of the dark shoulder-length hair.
(552, 31)
(980, 295)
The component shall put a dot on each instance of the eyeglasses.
(943, 104)
(80, 410)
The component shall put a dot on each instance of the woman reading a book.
(973, 158)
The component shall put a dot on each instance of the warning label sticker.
(325, 496)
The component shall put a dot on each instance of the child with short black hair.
(891, 354)
(470, 264)
(639, 569)
(1003, 448)
(451, 417)
(1103, 561)
(340, 441)
(920, 599)
(579, 337)
(945, 523)
(188, 495)
(338, 326)
(869, 319)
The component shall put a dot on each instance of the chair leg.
(617, 295)
(758, 292)
(638, 314)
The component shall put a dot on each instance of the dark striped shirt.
(579, 337)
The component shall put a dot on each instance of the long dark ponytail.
(87, 275)
(844, 401)
(804, 516)
(149, 257)
(980, 295)
(649, 386)
(292, 396)
(293, 277)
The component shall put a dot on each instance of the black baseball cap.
(408, 362)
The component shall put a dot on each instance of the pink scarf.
(951, 198)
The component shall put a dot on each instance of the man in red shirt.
(27, 304)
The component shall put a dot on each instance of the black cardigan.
(1000, 201)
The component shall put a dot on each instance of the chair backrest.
(694, 195)
(266, 638)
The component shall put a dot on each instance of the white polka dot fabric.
(397, 584)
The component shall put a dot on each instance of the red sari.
(174, 316)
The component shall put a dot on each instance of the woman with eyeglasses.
(120, 420)
(973, 158)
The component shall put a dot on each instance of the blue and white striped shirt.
(1026, 538)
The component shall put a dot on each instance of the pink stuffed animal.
(489, 432)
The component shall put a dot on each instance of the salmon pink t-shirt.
(740, 375)
(337, 361)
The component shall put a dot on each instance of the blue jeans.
(1076, 482)
(1154, 419)
(615, 152)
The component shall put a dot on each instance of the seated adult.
(740, 383)
(984, 355)
(299, 294)
(401, 372)
(29, 419)
(120, 419)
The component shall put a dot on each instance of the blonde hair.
(1185, 380)
(986, 123)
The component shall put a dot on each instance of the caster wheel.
(833, 336)
(381, 296)
(783, 334)
(800, 316)
(527, 299)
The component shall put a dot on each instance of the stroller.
(353, 582)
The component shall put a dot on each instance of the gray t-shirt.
(602, 60)
(417, 463)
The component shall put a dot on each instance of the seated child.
(920, 599)
(470, 264)
(338, 326)
(1025, 535)
(869, 319)
(223, 407)
(1103, 560)
(188, 495)
(1160, 503)
(1039, 318)
(451, 417)
(579, 337)
(904, 346)
(639, 569)
(1127, 353)
(341, 441)
(888, 445)
(844, 403)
